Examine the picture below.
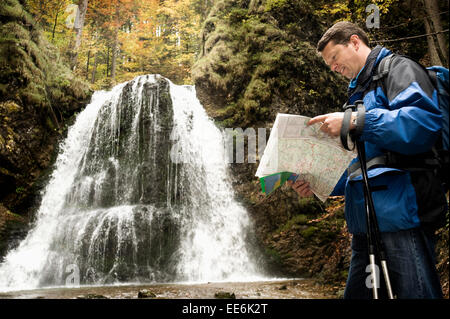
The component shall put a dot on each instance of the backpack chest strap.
(425, 162)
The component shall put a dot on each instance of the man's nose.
(334, 67)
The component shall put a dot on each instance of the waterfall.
(139, 193)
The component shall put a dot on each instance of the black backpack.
(438, 158)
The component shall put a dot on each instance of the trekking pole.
(373, 232)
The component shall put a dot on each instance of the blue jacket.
(404, 119)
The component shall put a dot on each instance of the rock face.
(12, 227)
(38, 94)
(258, 59)
(123, 229)
(129, 132)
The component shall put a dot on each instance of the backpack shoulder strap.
(383, 67)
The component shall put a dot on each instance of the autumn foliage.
(121, 39)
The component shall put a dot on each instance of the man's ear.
(355, 41)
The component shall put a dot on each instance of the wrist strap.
(360, 119)
(346, 127)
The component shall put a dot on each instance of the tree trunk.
(114, 48)
(82, 8)
(114, 55)
(432, 50)
(435, 25)
(107, 62)
(94, 68)
(54, 26)
(87, 64)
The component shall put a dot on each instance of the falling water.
(139, 193)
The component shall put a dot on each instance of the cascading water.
(140, 193)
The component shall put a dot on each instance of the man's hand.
(301, 188)
(331, 122)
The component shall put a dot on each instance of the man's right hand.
(301, 188)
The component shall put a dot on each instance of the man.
(402, 116)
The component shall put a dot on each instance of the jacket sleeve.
(407, 118)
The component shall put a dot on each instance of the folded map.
(296, 150)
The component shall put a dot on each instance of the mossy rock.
(32, 73)
(11, 224)
(273, 257)
(296, 220)
(224, 295)
(309, 232)
(146, 294)
(310, 206)
(38, 92)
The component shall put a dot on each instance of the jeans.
(411, 263)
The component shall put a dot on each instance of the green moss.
(12, 218)
(236, 15)
(273, 255)
(258, 90)
(296, 220)
(310, 206)
(309, 232)
(275, 4)
(13, 31)
(31, 72)
(50, 124)
(229, 122)
(13, 9)
(20, 190)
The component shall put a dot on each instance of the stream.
(270, 289)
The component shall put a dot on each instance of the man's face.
(342, 59)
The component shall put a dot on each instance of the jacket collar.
(364, 77)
